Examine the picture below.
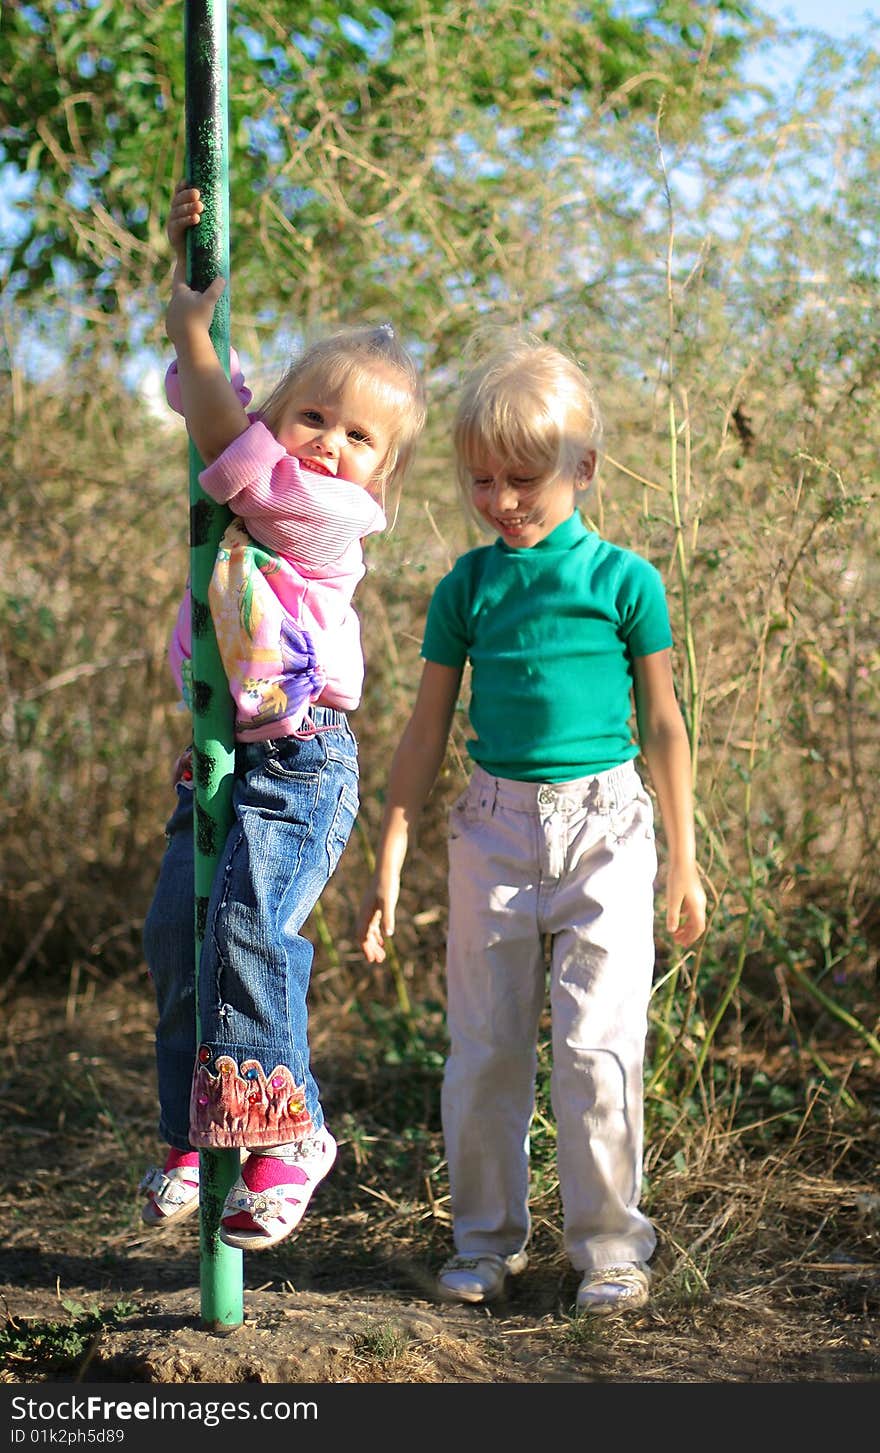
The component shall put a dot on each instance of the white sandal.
(171, 1194)
(278, 1210)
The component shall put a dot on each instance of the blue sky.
(777, 65)
(836, 17)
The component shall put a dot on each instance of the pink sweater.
(281, 590)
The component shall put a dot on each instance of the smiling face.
(524, 503)
(345, 431)
(526, 437)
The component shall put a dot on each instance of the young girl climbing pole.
(553, 837)
(305, 478)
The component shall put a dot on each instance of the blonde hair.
(368, 355)
(527, 402)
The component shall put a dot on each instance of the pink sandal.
(172, 1192)
(269, 1198)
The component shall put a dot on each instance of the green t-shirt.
(551, 633)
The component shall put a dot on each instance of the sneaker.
(172, 1192)
(478, 1278)
(269, 1198)
(621, 1288)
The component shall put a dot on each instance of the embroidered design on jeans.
(240, 1104)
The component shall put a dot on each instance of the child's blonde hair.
(527, 402)
(374, 357)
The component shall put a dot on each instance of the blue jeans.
(246, 1079)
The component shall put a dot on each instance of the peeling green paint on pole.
(207, 167)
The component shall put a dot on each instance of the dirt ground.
(767, 1270)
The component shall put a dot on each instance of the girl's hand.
(190, 313)
(186, 209)
(375, 920)
(372, 941)
(685, 905)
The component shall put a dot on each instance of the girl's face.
(523, 504)
(345, 432)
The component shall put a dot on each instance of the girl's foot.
(480, 1277)
(269, 1198)
(173, 1192)
(622, 1288)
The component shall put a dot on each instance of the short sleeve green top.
(551, 633)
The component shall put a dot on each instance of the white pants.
(575, 861)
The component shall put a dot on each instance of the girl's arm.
(664, 744)
(414, 767)
(214, 413)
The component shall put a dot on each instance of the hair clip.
(381, 337)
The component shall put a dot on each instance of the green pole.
(207, 167)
